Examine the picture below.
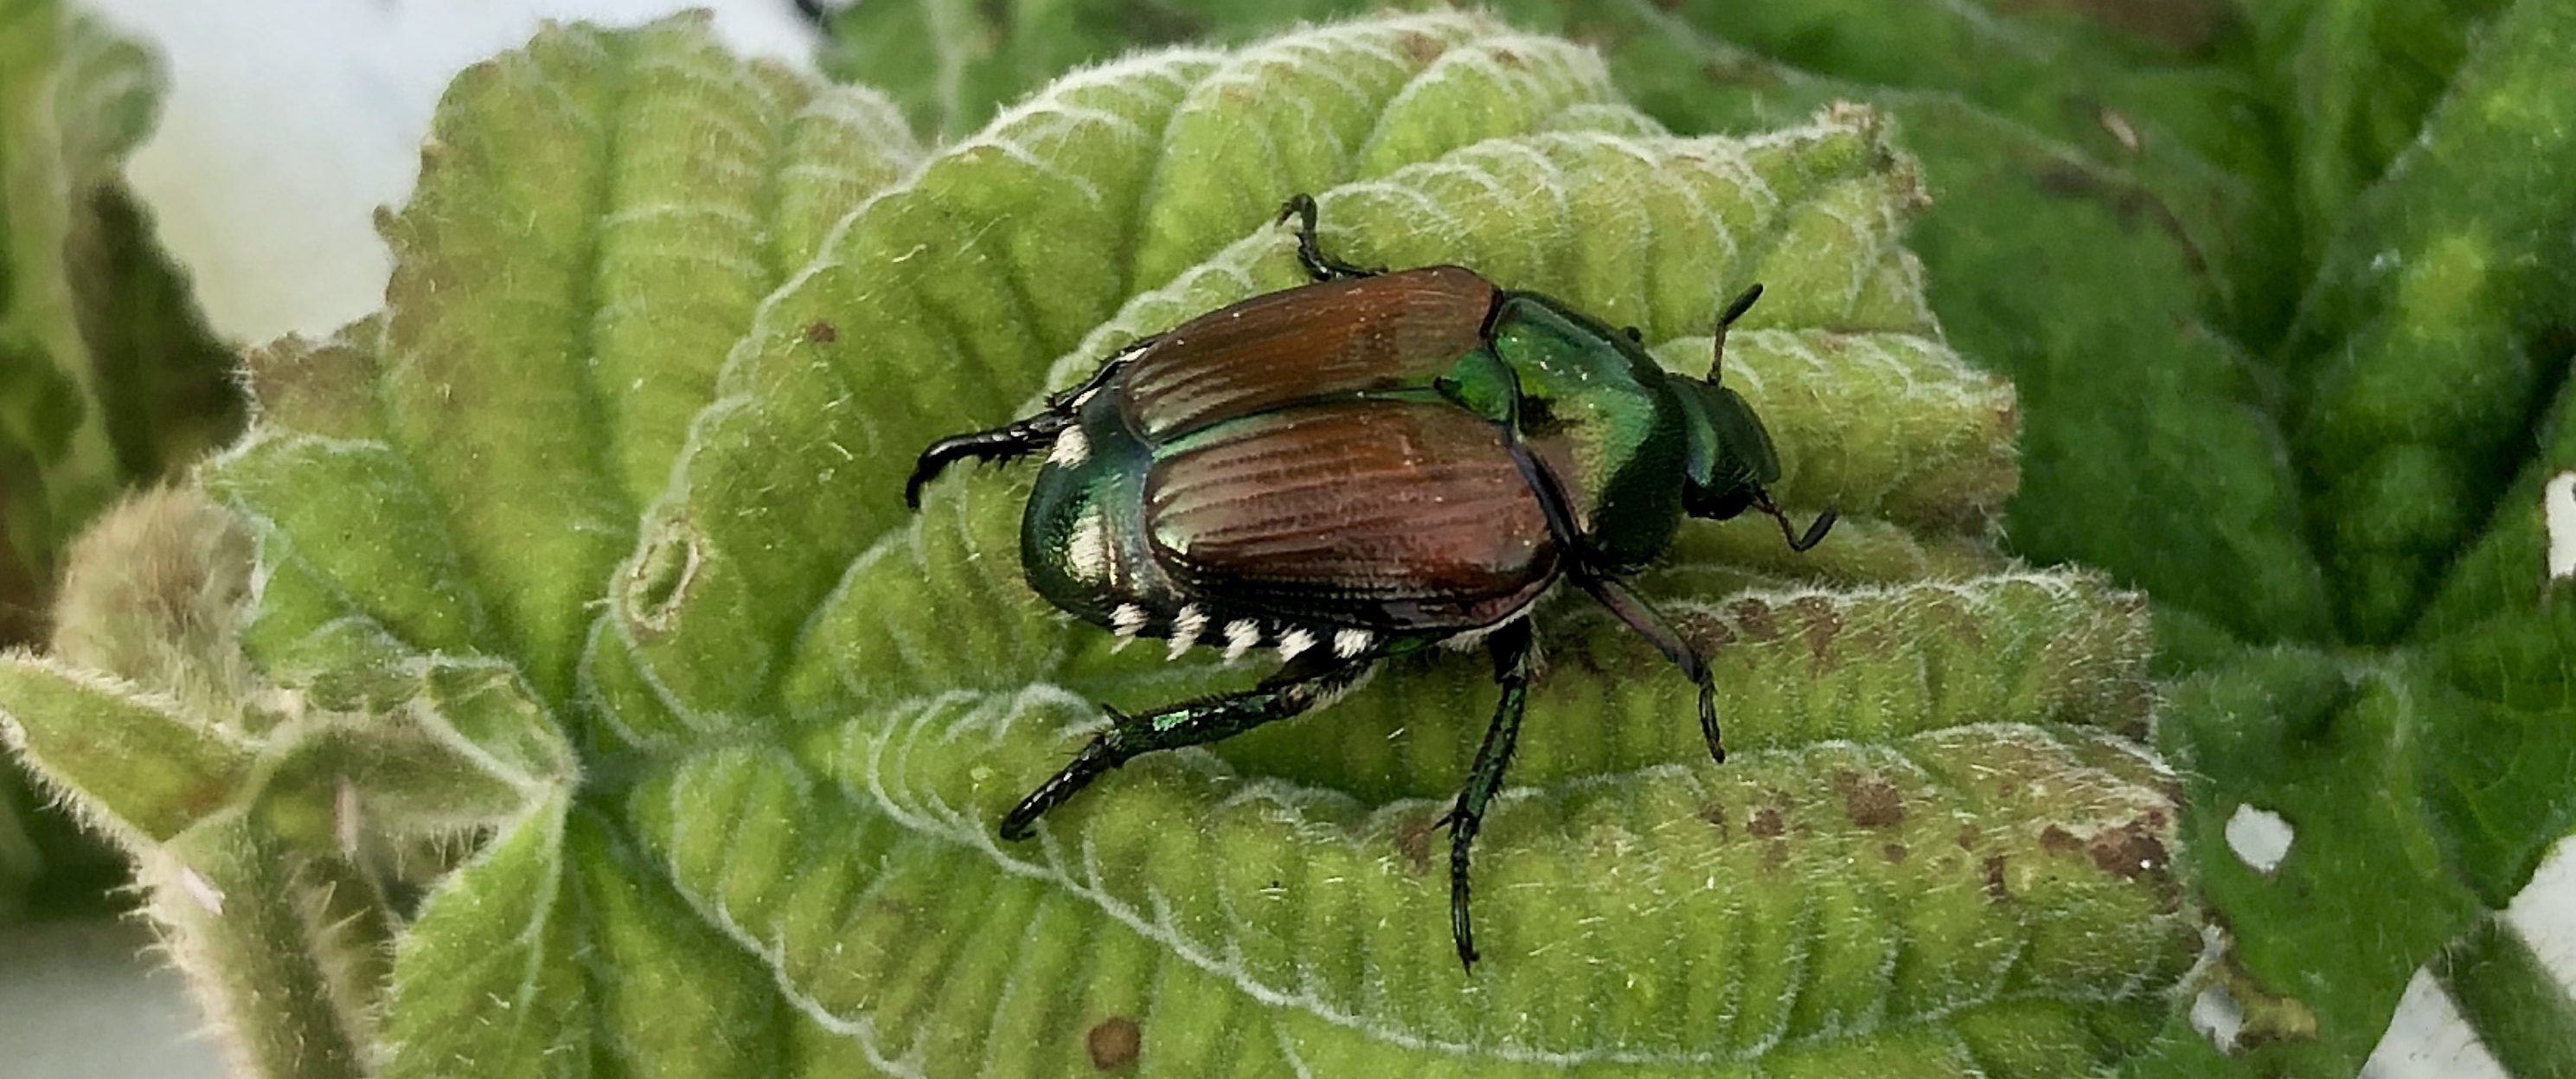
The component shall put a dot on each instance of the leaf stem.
(233, 904)
(2519, 1010)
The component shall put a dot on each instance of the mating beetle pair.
(1359, 468)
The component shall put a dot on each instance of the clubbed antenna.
(1717, 351)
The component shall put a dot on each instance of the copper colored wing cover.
(1386, 515)
(1377, 332)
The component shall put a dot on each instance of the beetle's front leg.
(1510, 647)
(1307, 681)
(1018, 438)
(1320, 266)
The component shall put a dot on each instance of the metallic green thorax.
(1601, 413)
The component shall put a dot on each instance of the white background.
(288, 123)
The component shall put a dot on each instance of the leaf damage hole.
(660, 581)
(2260, 838)
(1114, 1043)
(2558, 516)
(2218, 1017)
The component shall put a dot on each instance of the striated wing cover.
(1397, 329)
(1386, 515)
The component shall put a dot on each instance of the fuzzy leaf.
(141, 767)
(2114, 229)
(591, 548)
(107, 378)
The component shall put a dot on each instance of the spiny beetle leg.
(1320, 266)
(1019, 438)
(1510, 648)
(1306, 681)
(1650, 625)
(1614, 595)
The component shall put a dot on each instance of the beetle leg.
(1616, 596)
(1019, 438)
(1510, 648)
(1314, 677)
(1650, 625)
(1320, 266)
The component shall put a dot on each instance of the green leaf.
(107, 377)
(587, 550)
(2437, 333)
(140, 766)
(2105, 222)
(2127, 217)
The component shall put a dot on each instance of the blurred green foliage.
(108, 380)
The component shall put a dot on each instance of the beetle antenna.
(1735, 309)
(1823, 523)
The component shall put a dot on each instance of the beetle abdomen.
(1392, 515)
(1382, 332)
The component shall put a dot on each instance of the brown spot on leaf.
(1765, 823)
(1775, 854)
(822, 333)
(1420, 48)
(1413, 841)
(1114, 1043)
(1822, 623)
(1705, 631)
(2128, 853)
(1870, 801)
(2056, 840)
(1510, 59)
(1716, 817)
(1967, 838)
(2126, 199)
(1755, 617)
(1995, 890)
(1893, 852)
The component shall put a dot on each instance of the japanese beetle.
(1359, 468)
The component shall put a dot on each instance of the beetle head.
(1732, 463)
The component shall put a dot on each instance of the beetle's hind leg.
(1320, 266)
(1510, 647)
(1313, 678)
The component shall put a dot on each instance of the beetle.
(1358, 468)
